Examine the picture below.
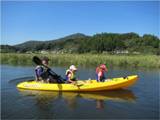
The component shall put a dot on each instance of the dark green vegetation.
(86, 60)
(113, 43)
(7, 49)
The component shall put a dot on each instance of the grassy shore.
(129, 61)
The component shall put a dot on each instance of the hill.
(35, 45)
(98, 43)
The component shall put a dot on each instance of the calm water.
(139, 101)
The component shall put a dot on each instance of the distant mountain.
(45, 45)
(29, 43)
(36, 42)
(98, 43)
(74, 36)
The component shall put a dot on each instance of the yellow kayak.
(82, 85)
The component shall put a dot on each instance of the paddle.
(18, 80)
(79, 83)
(38, 61)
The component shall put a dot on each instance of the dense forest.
(98, 43)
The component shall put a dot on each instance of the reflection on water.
(43, 98)
(99, 104)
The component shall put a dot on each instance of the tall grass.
(129, 61)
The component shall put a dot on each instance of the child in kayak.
(71, 74)
(42, 72)
(100, 73)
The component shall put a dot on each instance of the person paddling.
(42, 72)
(71, 74)
(100, 73)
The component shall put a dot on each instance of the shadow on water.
(44, 98)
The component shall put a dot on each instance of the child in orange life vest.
(100, 73)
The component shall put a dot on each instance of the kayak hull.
(86, 85)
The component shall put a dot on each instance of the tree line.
(98, 43)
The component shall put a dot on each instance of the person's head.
(103, 67)
(45, 60)
(73, 68)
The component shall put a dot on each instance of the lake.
(140, 101)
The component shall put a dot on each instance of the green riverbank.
(124, 61)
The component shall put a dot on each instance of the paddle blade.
(37, 60)
(79, 83)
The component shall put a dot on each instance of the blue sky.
(23, 21)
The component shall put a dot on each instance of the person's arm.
(99, 76)
(40, 71)
(69, 78)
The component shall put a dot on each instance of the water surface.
(138, 101)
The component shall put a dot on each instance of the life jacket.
(41, 76)
(97, 72)
(73, 76)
